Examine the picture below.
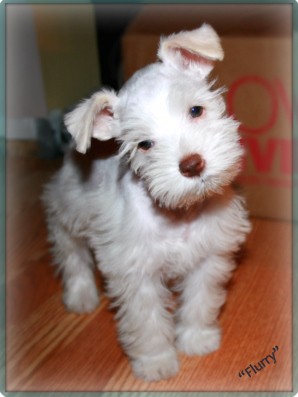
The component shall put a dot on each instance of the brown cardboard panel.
(257, 72)
(138, 51)
(269, 201)
(227, 19)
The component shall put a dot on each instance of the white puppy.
(162, 208)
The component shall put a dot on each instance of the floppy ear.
(197, 49)
(94, 117)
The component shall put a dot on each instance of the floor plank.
(49, 349)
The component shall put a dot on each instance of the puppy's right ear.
(94, 117)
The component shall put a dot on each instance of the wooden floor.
(48, 349)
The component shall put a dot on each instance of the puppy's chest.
(177, 244)
(183, 250)
(180, 241)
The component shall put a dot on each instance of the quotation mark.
(242, 372)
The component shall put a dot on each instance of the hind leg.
(75, 262)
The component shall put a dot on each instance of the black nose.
(192, 165)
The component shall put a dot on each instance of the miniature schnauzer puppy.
(162, 208)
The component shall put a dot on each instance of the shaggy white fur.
(162, 208)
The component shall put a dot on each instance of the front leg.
(197, 332)
(146, 328)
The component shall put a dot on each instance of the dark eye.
(145, 145)
(196, 111)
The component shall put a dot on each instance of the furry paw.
(81, 298)
(197, 341)
(155, 368)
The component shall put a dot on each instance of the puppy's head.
(172, 125)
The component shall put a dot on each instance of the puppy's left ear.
(197, 49)
(94, 117)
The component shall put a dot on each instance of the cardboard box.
(257, 71)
